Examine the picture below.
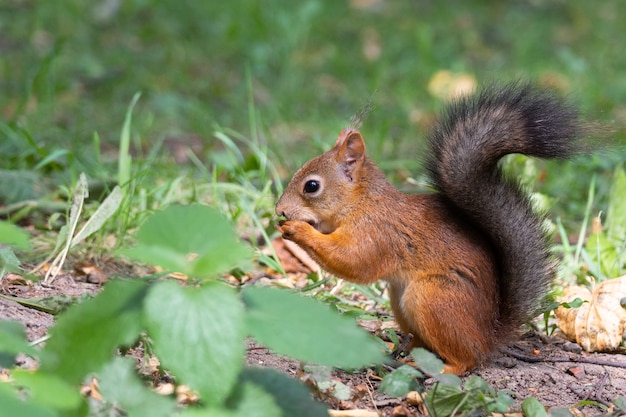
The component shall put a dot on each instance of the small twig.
(579, 359)
(387, 402)
(403, 346)
(585, 394)
(257, 348)
(601, 385)
(582, 393)
(40, 340)
(370, 388)
(257, 277)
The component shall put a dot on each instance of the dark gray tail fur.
(473, 135)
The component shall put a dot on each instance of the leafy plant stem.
(458, 406)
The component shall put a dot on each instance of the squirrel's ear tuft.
(350, 146)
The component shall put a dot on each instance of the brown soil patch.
(555, 384)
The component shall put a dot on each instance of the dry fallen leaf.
(92, 273)
(292, 257)
(598, 325)
(91, 390)
(401, 411)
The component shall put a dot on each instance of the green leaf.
(8, 261)
(119, 384)
(322, 375)
(444, 399)
(401, 381)
(13, 341)
(293, 398)
(503, 403)
(194, 240)
(86, 335)
(11, 406)
(476, 383)
(20, 185)
(253, 401)
(427, 361)
(102, 214)
(560, 412)
(448, 379)
(306, 329)
(206, 412)
(12, 235)
(48, 390)
(198, 334)
(620, 402)
(575, 303)
(531, 407)
(79, 194)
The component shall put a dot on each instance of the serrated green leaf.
(531, 407)
(48, 390)
(119, 384)
(444, 399)
(476, 383)
(307, 329)
(194, 240)
(427, 361)
(293, 398)
(86, 335)
(400, 382)
(12, 235)
(448, 379)
(503, 403)
(198, 334)
(13, 341)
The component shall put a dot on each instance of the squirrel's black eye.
(311, 186)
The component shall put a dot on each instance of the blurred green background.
(286, 74)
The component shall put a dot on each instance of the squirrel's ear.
(350, 146)
(350, 149)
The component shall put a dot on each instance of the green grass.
(243, 92)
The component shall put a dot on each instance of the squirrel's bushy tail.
(473, 135)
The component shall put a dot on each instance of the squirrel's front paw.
(291, 229)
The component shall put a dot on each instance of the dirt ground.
(562, 383)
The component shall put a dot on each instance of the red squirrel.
(467, 265)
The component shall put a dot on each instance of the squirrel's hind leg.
(448, 316)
